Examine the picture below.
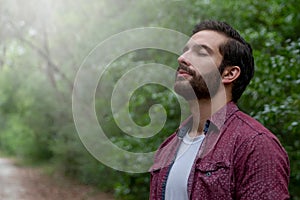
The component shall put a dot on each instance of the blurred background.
(44, 42)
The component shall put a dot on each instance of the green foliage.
(43, 43)
(17, 138)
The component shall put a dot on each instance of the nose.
(183, 60)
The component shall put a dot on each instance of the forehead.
(212, 39)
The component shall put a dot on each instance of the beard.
(198, 87)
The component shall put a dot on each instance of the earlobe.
(230, 74)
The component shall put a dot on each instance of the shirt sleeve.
(261, 169)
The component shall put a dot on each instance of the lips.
(184, 71)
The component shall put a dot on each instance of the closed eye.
(201, 49)
(185, 49)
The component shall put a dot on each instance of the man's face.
(198, 75)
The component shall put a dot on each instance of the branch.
(44, 55)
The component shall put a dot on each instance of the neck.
(202, 110)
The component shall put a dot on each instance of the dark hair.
(236, 52)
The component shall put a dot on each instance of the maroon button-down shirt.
(238, 159)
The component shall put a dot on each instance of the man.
(219, 152)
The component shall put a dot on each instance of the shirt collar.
(186, 125)
(220, 117)
(217, 120)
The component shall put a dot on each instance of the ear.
(230, 74)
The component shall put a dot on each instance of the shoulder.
(252, 135)
(246, 126)
(167, 141)
(164, 155)
(248, 132)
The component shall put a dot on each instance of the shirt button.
(208, 174)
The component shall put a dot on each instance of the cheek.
(205, 66)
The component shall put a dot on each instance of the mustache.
(186, 69)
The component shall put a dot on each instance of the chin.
(185, 90)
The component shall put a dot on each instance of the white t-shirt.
(176, 188)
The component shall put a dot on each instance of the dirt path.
(23, 183)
